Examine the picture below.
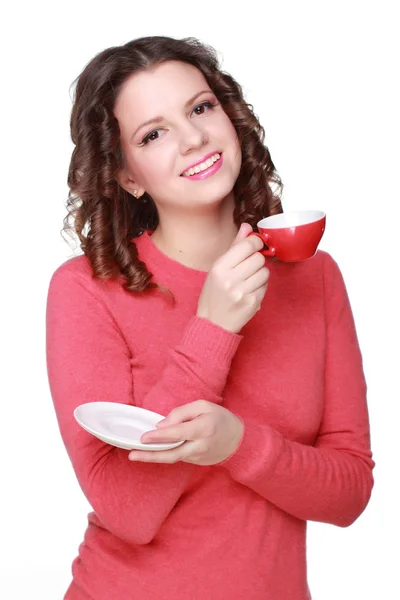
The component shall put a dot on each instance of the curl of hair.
(101, 213)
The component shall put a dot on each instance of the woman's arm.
(88, 360)
(332, 480)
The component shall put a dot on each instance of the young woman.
(172, 307)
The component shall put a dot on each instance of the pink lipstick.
(207, 172)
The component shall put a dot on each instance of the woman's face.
(170, 120)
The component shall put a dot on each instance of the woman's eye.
(151, 137)
(154, 135)
(203, 107)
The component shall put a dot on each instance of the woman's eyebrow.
(160, 119)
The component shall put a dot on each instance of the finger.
(163, 456)
(240, 251)
(248, 267)
(256, 281)
(251, 285)
(186, 412)
(259, 294)
(254, 297)
(244, 230)
(189, 430)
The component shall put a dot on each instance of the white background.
(322, 78)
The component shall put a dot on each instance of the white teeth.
(202, 166)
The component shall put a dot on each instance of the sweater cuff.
(210, 342)
(256, 455)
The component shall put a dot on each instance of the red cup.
(292, 236)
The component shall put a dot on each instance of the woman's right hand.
(236, 283)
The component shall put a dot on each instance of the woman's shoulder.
(319, 275)
(77, 267)
(322, 262)
(327, 264)
(75, 276)
(324, 267)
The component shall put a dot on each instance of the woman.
(172, 307)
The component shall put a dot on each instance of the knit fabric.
(294, 375)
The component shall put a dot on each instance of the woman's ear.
(127, 182)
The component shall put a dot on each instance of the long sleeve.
(330, 481)
(88, 360)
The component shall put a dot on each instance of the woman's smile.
(204, 169)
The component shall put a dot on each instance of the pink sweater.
(294, 375)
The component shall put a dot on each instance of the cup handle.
(264, 238)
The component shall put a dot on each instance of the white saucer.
(120, 425)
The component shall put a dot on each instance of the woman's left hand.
(211, 434)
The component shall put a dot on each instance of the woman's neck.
(196, 240)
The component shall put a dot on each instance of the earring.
(135, 193)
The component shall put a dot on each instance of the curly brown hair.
(103, 215)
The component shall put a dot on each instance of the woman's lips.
(198, 162)
(207, 172)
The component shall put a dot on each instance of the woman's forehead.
(171, 83)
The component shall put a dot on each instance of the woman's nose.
(191, 137)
